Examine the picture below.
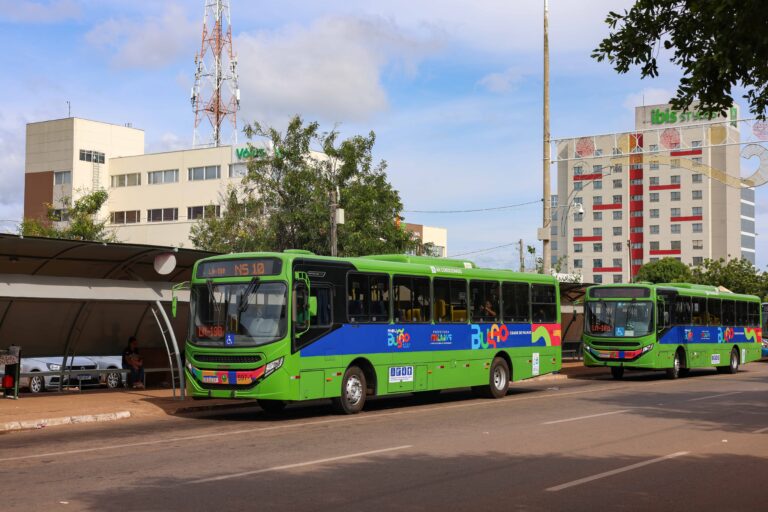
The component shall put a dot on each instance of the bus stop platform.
(71, 407)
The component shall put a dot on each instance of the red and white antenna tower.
(215, 94)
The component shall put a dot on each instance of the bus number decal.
(715, 359)
(401, 374)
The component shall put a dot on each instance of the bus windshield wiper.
(216, 305)
(243, 304)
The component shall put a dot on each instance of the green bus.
(292, 326)
(671, 327)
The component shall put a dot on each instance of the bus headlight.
(273, 365)
(648, 348)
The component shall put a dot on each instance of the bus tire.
(271, 406)
(733, 366)
(498, 380)
(353, 389)
(677, 363)
(617, 372)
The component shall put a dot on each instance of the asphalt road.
(645, 443)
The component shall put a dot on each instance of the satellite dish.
(165, 263)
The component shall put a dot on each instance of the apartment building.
(670, 188)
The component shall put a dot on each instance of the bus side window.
(729, 312)
(450, 300)
(754, 314)
(544, 304)
(412, 299)
(324, 314)
(516, 300)
(368, 298)
(681, 312)
(742, 316)
(699, 311)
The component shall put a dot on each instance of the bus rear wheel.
(498, 380)
(272, 406)
(617, 372)
(353, 390)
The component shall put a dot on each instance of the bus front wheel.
(674, 372)
(733, 364)
(617, 372)
(353, 390)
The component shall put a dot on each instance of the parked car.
(38, 383)
(113, 379)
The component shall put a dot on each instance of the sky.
(451, 88)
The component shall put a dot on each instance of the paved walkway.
(52, 408)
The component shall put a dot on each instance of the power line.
(482, 250)
(475, 209)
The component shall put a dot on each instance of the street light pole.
(334, 205)
(545, 232)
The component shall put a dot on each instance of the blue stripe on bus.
(389, 338)
(693, 335)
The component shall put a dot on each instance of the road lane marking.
(715, 396)
(577, 418)
(592, 478)
(298, 465)
(760, 430)
(358, 417)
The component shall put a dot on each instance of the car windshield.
(238, 314)
(619, 318)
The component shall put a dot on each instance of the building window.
(578, 248)
(674, 179)
(126, 180)
(698, 227)
(636, 181)
(616, 230)
(654, 197)
(696, 194)
(617, 247)
(597, 263)
(654, 213)
(654, 180)
(696, 178)
(616, 151)
(60, 215)
(598, 279)
(654, 165)
(553, 229)
(597, 231)
(617, 262)
(597, 199)
(578, 185)
(167, 176)
(211, 210)
(675, 212)
(640, 198)
(675, 228)
(162, 215)
(597, 247)
(617, 199)
(616, 278)
(636, 167)
(654, 260)
(578, 200)
(617, 214)
(654, 246)
(577, 231)
(695, 143)
(674, 163)
(597, 215)
(578, 170)
(87, 155)
(598, 152)
(698, 244)
(597, 184)
(675, 195)
(696, 160)
(126, 217)
(637, 245)
(617, 169)
(675, 245)
(597, 169)
(578, 263)
(698, 260)
(654, 229)
(637, 213)
(653, 148)
(636, 229)
(62, 177)
(578, 217)
(697, 210)
(209, 172)
(638, 261)
(616, 183)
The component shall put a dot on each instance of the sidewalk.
(50, 409)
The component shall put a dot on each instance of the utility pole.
(545, 231)
(334, 206)
(522, 257)
(629, 261)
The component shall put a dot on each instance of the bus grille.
(207, 358)
(612, 343)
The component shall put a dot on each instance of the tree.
(284, 199)
(717, 44)
(666, 270)
(737, 275)
(82, 224)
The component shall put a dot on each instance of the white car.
(113, 379)
(38, 383)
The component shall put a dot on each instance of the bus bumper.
(236, 383)
(640, 358)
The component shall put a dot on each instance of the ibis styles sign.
(667, 116)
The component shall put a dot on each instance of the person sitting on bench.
(133, 361)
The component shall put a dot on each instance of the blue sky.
(452, 89)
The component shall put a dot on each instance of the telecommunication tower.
(215, 95)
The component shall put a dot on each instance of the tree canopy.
(666, 270)
(82, 223)
(716, 45)
(737, 275)
(283, 201)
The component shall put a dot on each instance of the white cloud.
(11, 175)
(648, 96)
(331, 69)
(501, 82)
(149, 43)
(38, 12)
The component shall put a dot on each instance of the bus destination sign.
(252, 267)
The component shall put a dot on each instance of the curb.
(66, 420)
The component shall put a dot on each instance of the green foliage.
(82, 223)
(716, 44)
(737, 275)
(284, 199)
(666, 270)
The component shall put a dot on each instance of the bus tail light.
(273, 365)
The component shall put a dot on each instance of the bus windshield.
(238, 314)
(619, 319)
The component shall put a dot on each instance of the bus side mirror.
(174, 304)
(174, 298)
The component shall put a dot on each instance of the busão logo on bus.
(398, 338)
